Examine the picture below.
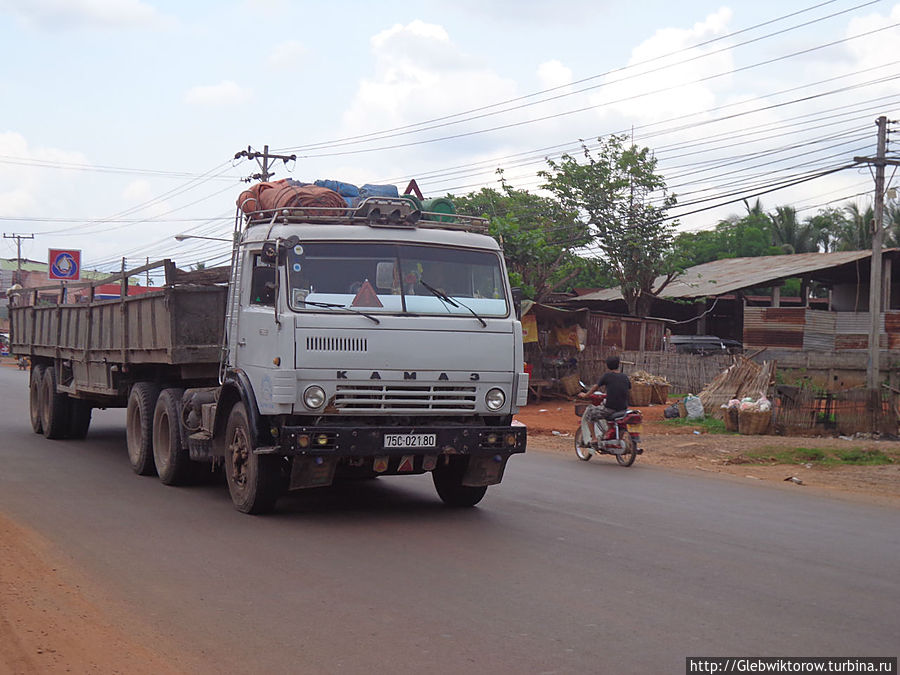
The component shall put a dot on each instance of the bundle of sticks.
(743, 378)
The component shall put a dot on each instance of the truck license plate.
(410, 440)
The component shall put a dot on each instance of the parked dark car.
(704, 344)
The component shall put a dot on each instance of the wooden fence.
(686, 373)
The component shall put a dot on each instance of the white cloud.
(90, 13)
(288, 55)
(27, 174)
(419, 74)
(137, 190)
(224, 93)
(629, 92)
(553, 74)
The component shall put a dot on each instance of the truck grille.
(336, 344)
(404, 397)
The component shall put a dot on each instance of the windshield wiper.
(440, 295)
(336, 306)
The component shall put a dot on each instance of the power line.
(411, 128)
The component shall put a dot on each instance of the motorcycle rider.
(616, 385)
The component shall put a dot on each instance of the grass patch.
(815, 456)
(708, 424)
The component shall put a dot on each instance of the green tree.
(619, 195)
(790, 234)
(537, 234)
(829, 225)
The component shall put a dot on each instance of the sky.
(121, 118)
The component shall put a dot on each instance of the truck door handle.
(242, 342)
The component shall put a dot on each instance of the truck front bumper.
(317, 451)
(325, 441)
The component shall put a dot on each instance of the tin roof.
(733, 274)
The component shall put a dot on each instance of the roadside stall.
(554, 339)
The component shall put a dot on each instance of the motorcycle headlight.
(314, 397)
(495, 399)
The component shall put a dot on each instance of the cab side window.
(262, 283)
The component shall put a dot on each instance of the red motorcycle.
(620, 436)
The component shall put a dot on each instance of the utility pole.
(876, 293)
(18, 238)
(265, 156)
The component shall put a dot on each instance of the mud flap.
(484, 470)
(310, 472)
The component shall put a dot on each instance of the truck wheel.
(254, 481)
(139, 427)
(448, 483)
(172, 460)
(79, 418)
(54, 406)
(34, 398)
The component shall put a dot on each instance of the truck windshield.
(394, 278)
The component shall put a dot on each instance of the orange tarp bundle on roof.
(281, 194)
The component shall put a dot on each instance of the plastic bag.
(694, 407)
(671, 412)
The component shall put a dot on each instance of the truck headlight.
(314, 397)
(495, 399)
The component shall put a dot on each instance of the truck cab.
(366, 347)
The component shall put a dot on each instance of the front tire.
(581, 450)
(448, 483)
(254, 481)
(54, 406)
(139, 427)
(630, 453)
(170, 457)
(35, 398)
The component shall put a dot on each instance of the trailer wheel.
(79, 418)
(172, 460)
(254, 481)
(34, 398)
(54, 406)
(139, 427)
(448, 483)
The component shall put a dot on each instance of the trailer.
(339, 343)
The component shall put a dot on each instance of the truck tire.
(79, 418)
(254, 481)
(448, 483)
(54, 406)
(172, 460)
(34, 398)
(139, 427)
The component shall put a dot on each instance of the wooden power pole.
(876, 292)
(18, 238)
(264, 173)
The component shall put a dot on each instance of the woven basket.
(751, 422)
(659, 393)
(731, 419)
(640, 393)
(571, 384)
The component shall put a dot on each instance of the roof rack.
(387, 212)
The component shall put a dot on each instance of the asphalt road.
(567, 567)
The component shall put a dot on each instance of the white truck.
(375, 340)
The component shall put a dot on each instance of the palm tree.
(857, 234)
(790, 234)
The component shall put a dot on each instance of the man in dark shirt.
(616, 385)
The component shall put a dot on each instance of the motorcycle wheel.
(630, 454)
(581, 450)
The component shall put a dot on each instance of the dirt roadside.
(48, 624)
(681, 449)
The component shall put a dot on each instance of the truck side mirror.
(269, 253)
(517, 301)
